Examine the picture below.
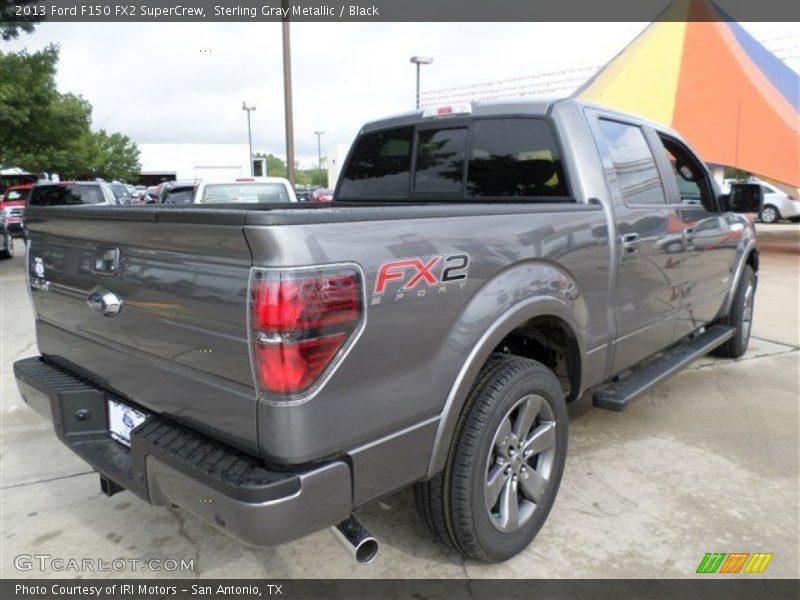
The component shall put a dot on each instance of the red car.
(322, 195)
(13, 205)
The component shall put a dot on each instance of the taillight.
(302, 321)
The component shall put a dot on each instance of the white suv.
(265, 190)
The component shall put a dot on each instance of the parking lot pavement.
(706, 462)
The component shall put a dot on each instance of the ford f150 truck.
(271, 368)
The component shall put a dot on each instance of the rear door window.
(440, 160)
(634, 164)
(514, 158)
(379, 165)
(61, 195)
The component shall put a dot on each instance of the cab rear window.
(487, 159)
(379, 166)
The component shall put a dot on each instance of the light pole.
(420, 60)
(249, 109)
(287, 96)
(319, 135)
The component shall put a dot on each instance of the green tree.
(12, 24)
(276, 166)
(116, 157)
(44, 130)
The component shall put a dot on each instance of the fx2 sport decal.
(418, 276)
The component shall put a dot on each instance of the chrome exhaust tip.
(360, 543)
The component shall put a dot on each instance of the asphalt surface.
(706, 462)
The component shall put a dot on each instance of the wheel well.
(752, 260)
(550, 341)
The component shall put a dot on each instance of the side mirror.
(744, 198)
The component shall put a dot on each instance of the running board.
(618, 395)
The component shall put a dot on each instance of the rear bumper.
(171, 464)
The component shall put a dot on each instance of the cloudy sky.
(166, 82)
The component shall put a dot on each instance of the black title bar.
(400, 10)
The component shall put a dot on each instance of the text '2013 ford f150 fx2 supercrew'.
(271, 368)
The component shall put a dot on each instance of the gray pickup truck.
(272, 368)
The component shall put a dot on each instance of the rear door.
(710, 238)
(647, 291)
(178, 346)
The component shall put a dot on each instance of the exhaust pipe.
(360, 543)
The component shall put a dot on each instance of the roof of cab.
(480, 108)
(509, 107)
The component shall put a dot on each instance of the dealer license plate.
(122, 419)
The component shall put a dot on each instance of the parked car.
(69, 193)
(121, 192)
(13, 177)
(264, 190)
(139, 196)
(303, 192)
(13, 205)
(322, 195)
(151, 194)
(271, 368)
(7, 247)
(778, 205)
(177, 192)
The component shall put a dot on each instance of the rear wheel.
(769, 214)
(740, 316)
(505, 465)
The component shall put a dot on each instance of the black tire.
(740, 316)
(769, 214)
(453, 504)
(8, 246)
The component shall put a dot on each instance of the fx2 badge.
(417, 276)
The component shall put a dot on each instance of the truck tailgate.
(178, 345)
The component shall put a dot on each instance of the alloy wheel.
(520, 463)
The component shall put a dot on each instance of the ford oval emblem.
(105, 301)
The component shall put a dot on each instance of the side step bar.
(618, 395)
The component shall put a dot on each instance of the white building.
(161, 162)
(335, 159)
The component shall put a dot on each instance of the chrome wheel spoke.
(503, 437)
(526, 415)
(533, 485)
(509, 505)
(498, 477)
(542, 438)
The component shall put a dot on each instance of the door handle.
(630, 245)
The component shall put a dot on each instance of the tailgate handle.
(106, 261)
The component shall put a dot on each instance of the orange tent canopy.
(702, 74)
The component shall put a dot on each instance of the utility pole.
(319, 135)
(287, 97)
(419, 61)
(249, 109)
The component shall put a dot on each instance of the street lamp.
(420, 60)
(319, 135)
(249, 109)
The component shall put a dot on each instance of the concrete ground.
(706, 462)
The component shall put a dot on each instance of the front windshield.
(245, 192)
